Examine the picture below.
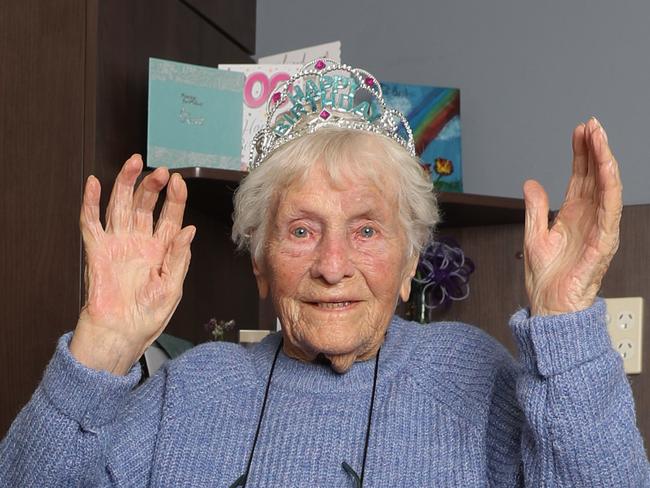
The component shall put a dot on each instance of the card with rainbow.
(434, 115)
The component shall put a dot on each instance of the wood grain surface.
(73, 86)
(41, 129)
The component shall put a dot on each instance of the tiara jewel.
(324, 93)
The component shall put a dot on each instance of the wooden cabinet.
(74, 90)
(236, 20)
(73, 86)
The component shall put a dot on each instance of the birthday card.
(330, 50)
(434, 116)
(195, 116)
(260, 83)
(263, 79)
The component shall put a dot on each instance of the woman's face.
(335, 263)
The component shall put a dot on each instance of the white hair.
(337, 149)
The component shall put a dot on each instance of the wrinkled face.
(335, 263)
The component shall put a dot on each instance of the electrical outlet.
(625, 326)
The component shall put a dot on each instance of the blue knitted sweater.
(452, 409)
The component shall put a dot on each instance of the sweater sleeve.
(69, 433)
(579, 422)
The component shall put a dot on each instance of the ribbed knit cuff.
(85, 395)
(553, 344)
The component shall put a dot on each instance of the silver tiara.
(321, 94)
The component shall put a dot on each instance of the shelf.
(457, 209)
(469, 210)
(210, 174)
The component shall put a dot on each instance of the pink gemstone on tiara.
(370, 81)
(276, 97)
(320, 64)
(324, 114)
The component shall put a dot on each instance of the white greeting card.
(260, 83)
(263, 78)
(331, 50)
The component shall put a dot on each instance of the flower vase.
(415, 307)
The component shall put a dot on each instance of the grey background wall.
(528, 72)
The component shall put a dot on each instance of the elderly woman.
(334, 213)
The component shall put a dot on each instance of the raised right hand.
(566, 263)
(133, 273)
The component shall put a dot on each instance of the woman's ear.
(262, 281)
(409, 273)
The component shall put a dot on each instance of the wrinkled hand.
(566, 263)
(133, 273)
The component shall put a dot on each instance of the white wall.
(528, 72)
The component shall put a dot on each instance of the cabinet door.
(220, 284)
(236, 19)
(127, 34)
(41, 135)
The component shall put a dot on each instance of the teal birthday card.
(195, 116)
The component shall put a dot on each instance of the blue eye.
(367, 232)
(300, 232)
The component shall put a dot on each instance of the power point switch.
(625, 325)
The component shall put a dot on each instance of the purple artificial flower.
(442, 275)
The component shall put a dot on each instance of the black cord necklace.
(358, 480)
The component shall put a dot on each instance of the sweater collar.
(296, 375)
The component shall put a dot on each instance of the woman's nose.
(332, 263)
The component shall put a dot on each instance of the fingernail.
(135, 161)
(89, 182)
(602, 131)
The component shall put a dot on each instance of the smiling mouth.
(333, 305)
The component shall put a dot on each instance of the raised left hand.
(566, 263)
